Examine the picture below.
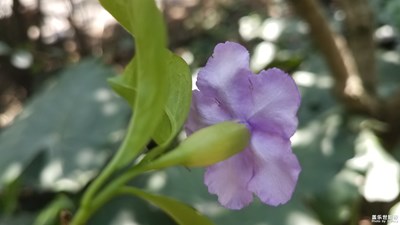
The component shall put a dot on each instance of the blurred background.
(60, 122)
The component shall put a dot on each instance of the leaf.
(125, 84)
(179, 98)
(177, 106)
(76, 120)
(179, 211)
(126, 210)
(29, 177)
(144, 21)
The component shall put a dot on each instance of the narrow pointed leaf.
(180, 212)
(146, 73)
(125, 84)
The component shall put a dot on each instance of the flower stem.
(86, 207)
(81, 216)
(105, 195)
(112, 189)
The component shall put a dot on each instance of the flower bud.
(206, 146)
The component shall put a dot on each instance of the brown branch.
(339, 58)
(359, 29)
(324, 38)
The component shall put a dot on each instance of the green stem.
(153, 153)
(85, 207)
(112, 189)
(105, 195)
(81, 216)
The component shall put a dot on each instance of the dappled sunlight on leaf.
(304, 136)
(263, 54)
(156, 181)
(272, 28)
(110, 109)
(323, 147)
(51, 173)
(391, 57)
(300, 218)
(22, 59)
(211, 208)
(124, 217)
(249, 26)
(327, 145)
(11, 172)
(382, 170)
(103, 95)
(88, 158)
(309, 79)
(186, 55)
(71, 113)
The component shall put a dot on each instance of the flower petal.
(276, 168)
(205, 110)
(228, 179)
(227, 61)
(225, 77)
(222, 88)
(276, 100)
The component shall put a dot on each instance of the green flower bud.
(206, 146)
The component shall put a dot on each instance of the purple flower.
(267, 104)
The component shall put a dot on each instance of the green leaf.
(177, 106)
(180, 212)
(126, 210)
(179, 98)
(11, 191)
(206, 147)
(75, 121)
(125, 84)
(147, 73)
(146, 25)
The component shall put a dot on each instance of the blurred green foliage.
(75, 120)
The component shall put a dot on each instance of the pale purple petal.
(225, 76)
(205, 111)
(221, 91)
(276, 100)
(276, 168)
(227, 61)
(228, 179)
